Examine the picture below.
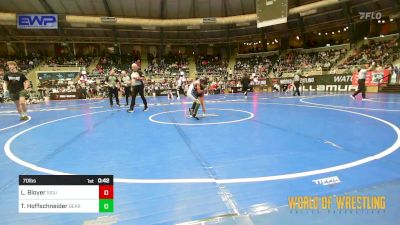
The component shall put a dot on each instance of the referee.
(361, 81)
(126, 82)
(111, 82)
(245, 84)
(137, 87)
(296, 83)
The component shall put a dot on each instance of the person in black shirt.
(245, 84)
(113, 85)
(15, 85)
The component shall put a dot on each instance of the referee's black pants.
(127, 94)
(135, 90)
(361, 88)
(296, 88)
(113, 91)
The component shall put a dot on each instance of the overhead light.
(381, 35)
(365, 38)
(383, 21)
(327, 45)
(78, 24)
(391, 19)
(108, 19)
(267, 43)
(319, 34)
(276, 41)
(326, 33)
(379, 21)
(344, 29)
(243, 24)
(193, 27)
(297, 37)
(333, 32)
(309, 12)
(7, 23)
(338, 31)
(259, 42)
(149, 28)
(347, 28)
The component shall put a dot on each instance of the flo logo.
(370, 15)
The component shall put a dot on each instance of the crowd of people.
(259, 65)
(293, 61)
(25, 63)
(379, 52)
(211, 65)
(170, 64)
(69, 61)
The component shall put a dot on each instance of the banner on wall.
(373, 78)
(37, 21)
(328, 83)
(57, 75)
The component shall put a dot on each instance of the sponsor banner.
(210, 20)
(37, 21)
(329, 88)
(261, 81)
(338, 203)
(328, 83)
(373, 78)
(321, 80)
(108, 19)
(65, 96)
(57, 75)
(239, 89)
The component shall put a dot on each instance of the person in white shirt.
(126, 83)
(296, 83)
(137, 87)
(179, 85)
(112, 83)
(361, 81)
(196, 93)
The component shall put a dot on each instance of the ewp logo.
(37, 21)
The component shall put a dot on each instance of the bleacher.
(211, 66)
(319, 59)
(169, 66)
(378, 51)
(259, 64)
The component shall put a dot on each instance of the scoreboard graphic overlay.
(66, 193)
